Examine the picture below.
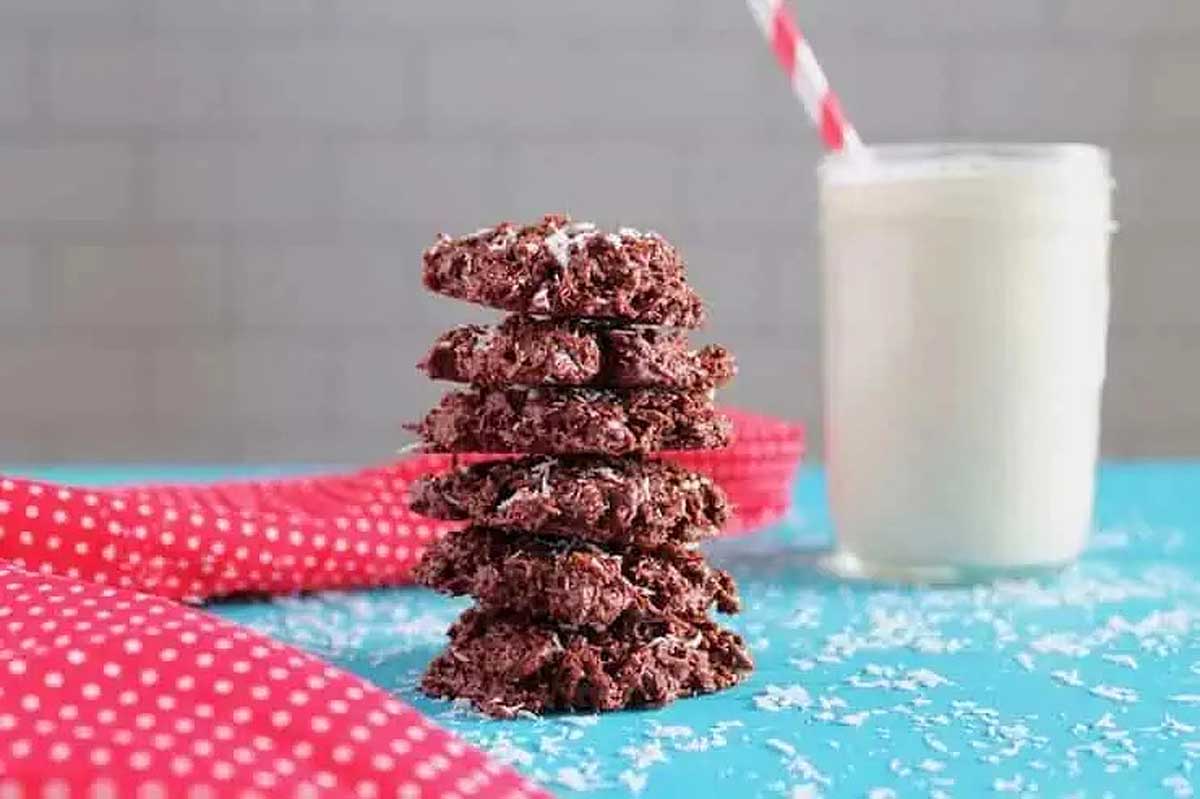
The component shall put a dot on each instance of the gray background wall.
(211, 213)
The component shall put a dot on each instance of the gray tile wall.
(211, 213)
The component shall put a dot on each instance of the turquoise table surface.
(1084, 685)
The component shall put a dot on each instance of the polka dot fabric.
(110, 693)
(280, 536)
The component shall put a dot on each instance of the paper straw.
(807, 78)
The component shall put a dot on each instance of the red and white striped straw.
(807, 78)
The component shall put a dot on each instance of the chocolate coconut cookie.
(505, 665)
(614, 501)
(523, 351)
(562, 268)
(572, 583)
(569, 421)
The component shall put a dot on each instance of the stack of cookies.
(582, 553)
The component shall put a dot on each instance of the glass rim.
(1052, 154)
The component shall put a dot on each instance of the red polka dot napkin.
(330, 531)
(107, 693)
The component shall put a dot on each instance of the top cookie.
(561, 268)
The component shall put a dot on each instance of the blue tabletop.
(1084, 685)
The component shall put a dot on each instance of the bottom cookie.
(504, 665)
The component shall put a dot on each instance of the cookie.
(570, 269)
(542, 352)
(564, 421)
(505, 666)
(572, 583)
(613, 501)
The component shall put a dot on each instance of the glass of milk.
(965, 319)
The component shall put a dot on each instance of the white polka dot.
(139, 760)
(60, 751)
(30, 703)
(100, 756)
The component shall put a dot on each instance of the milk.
(965, 318)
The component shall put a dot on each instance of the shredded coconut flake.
(1116, 693)
(775, 698)
(635, 781)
